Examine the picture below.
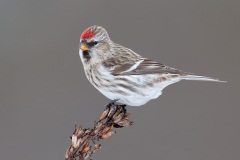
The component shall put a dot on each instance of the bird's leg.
(114, 107)
(123, 106)
(111, 103)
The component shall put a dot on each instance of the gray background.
(43, 89)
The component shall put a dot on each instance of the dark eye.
(91, 44)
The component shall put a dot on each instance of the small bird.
(122, 75)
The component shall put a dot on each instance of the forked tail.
(201, 78)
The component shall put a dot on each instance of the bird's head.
(94, 44)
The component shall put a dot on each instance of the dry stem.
(84, 140)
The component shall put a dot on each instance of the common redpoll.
(121, 74)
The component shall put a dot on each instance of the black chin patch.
(86, 55)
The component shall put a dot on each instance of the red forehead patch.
(87, 34)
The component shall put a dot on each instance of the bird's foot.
(111, 104)
(123, 106)
(112, 107)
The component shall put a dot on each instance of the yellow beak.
(84, 47)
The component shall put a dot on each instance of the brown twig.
(84, 140)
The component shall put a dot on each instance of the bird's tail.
(201, 78)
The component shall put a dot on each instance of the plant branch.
(84, 140)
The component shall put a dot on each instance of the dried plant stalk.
(84, 140)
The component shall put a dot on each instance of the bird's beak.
(84, 47)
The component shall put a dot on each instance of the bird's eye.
(93, 43)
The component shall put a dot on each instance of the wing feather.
(142, 66)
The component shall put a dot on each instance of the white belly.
(132, 90)
(143, 93)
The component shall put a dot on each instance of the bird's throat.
(86, 55)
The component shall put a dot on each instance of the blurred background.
(44, 92)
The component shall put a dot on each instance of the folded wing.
(143, 66)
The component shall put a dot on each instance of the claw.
(112, 108)
(123, 108)
(111, 103)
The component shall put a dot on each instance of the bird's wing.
(142, 66)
